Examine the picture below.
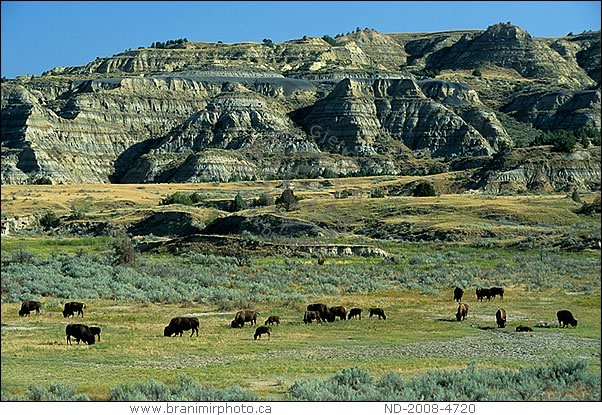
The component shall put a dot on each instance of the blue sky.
(37, 36)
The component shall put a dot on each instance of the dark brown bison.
(178, 325)
(565, 318)
(523, 328)
(500, 318)
(320, 308)
(29, 306)
(309, 316)
(338, 311)
(262, 330)
(462, 312)
(458, 293)
(79, 332)
(495, 291)
(272, 319)
(354, 312)
(482, 293)
(72, 308)
(242, 317)
(95, 331)
(377, 312)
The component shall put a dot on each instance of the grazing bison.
(29, 306)
(494, 291)
(179, 325)
(462, 312)
(565, 317)
(338, 311)
(242, 317)
(95, 331)
(309, 316)
(262, 330)
(482, 293)
(272, 319)
(377, 312)
(523, 328)
(458, 293)
(79, 332)
(355, 312)
(320, 308)
(72, 308)
(500, 317)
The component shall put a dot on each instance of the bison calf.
(500, 318)
(79, 332)
(73, 307)
(462, 312)
(338, 311)
(309, 316)
(28, 306)
(178, 325)
(565, 318)
(458, 293)
(523, 328)
(377, 312)
(355, 312)
(95, 331)
(262, 330)
(272, 319)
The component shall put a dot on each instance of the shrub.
(477, 72)
(330, 40)
(424, 189)
(378, 193)
(183, 198)
(264, 199)
(575, 196)
(48, 219)
(287, 200)
(80, 208)
(238, 203)
(268, 42)
(124, 251)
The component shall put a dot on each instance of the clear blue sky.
(37, 36)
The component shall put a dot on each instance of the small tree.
(287, 200)
(424, 189)
(48, 219)
(125, 251)
(264, 199)
(576, 197)
(330, 40)
(238, 203)
(477, 72)
(268, 42)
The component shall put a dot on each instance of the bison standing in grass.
(95, 331)
(500, 318)
(271, 320)
(320, 308)
(178, 325)
(242, 317)
(79, 332)
(565, 318)
(495, 291)
(262, 330)
(355, 312)
(377, 312)
(28, 306)
(73, 307)
(462, 312)
(482, 293)
(310, 316)
(458, 293)
(338, 311)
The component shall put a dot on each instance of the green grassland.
(499, 240)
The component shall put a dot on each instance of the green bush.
(238, 204)
(48, 219)
(330, 40)
(183, 198)
(264, 199)
(424, 189)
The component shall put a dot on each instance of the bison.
(320, 308)
(482, 293)
(309, 316)
(462, 312)
(95, 331)
(272, 319)
(72, 308)
(242, 317)
(178, 325)
(523, 328)
(458, 293)
(29, 306)
(338, 311)
(377, 312)
(79, 332)
(500, 318)
(354, 312)
(262, 330)
(565, 318)
(494, 291)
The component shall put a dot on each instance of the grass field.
(414, 286)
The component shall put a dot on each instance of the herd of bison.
(318, 312)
